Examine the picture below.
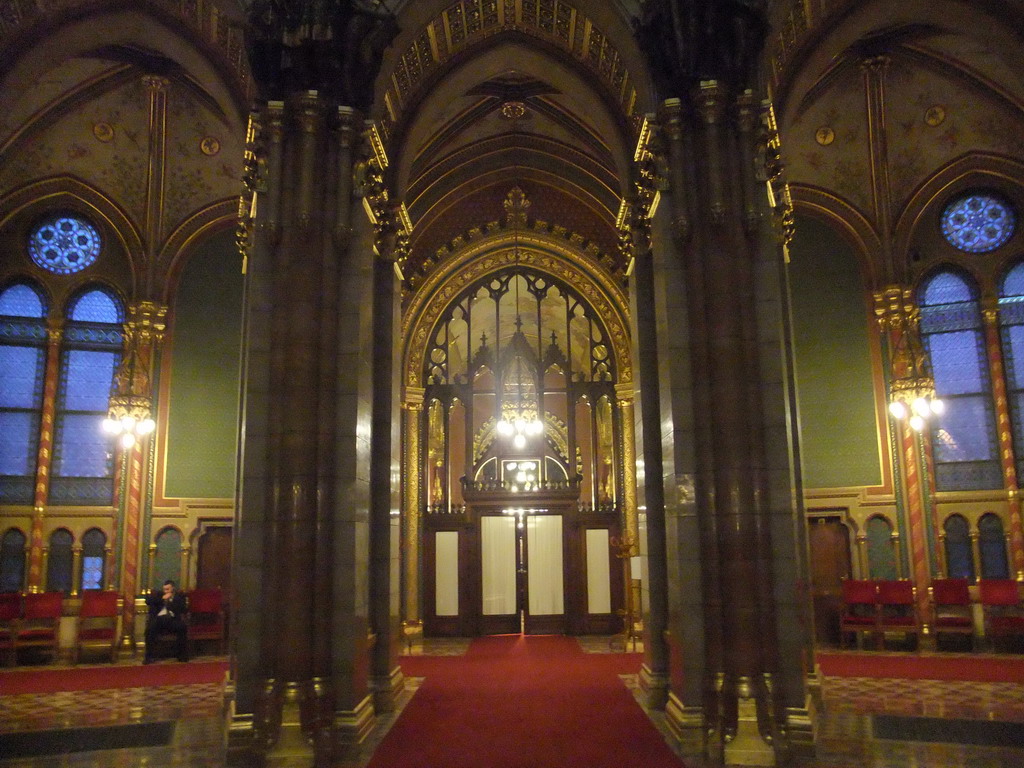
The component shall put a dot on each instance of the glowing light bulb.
(504, 428)
(916, 423)
(938, 407)
(898, 409)
(127, 423)
(921, 407)
(520, 425)
(127, 440)
(111, 426)
(146, 426)
(519, 441)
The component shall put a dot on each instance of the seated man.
(166, 615)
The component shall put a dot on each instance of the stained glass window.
(93, 543)
(83, 457)
(959, 558)
(1011, 321)
(64, 244)
(22, 370)
(964, 436)
(992, 545)
(978, 222)
(58, 563)
(12, 561)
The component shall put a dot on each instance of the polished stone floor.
(846, 735)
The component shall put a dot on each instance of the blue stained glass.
(957, 362)
(92, 572)
(946, 288)
(21, 300)
(962, 432)
(96, 306)
(992, 545)
(978, 223)
(20, 376)
(64, 244)
(1013, 337)
(88, 379)
(1013, 283)
(20, 442)
(58, 572)
(81, 448)
(959, 559)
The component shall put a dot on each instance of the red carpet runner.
(49, 680)
(523, 702)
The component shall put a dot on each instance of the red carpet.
(523, 702)
(49, 680)
(981, 669)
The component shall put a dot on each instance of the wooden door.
(830, 564)
(213, 560)
(543, 548)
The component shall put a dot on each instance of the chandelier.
(130, 410)
(912, 395)
(519, 422)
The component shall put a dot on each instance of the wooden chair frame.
(1002, 608)
(99, 622)
(206, 617)
(39, 626)
(951, 602)
(859, 611)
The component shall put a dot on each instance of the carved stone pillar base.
(292, 747)
(800, 722)
(655, 687)
(354, 725)
(386, 690)
(686, 724)
(748, 747)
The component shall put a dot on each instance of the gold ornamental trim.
(498, 250)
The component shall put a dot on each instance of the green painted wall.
(206, 324)
(833, 363)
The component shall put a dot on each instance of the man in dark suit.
(167, 615)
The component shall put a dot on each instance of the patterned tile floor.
(844, 735)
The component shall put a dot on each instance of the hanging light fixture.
(129, 414)
(912, 395)
(519, 418)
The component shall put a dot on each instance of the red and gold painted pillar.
(990, 313)
(898, 320)
(142, 335)
(36, 571)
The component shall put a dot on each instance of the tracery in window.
(22, 372)
(978, 222)
(64, 244)
(59, 561)
(93, 556)
(992, 546)
(964, 436)
(83, 459)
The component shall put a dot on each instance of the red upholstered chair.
(10, 612)
(859, 612)
(897, 608)
(206, 616)
(98, 622)
(40, 622)
(1001, 604)
(952, 603)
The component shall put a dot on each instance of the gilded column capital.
(710, 101)
(308, 112)
(875, 65)
(147, 322)
(413, 399)
(275, 120)
(672, 119)
(990, 310)
(38, 512)
(347, 126)
(747, 111)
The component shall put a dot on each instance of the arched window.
(992, 546)
(22, 374)
(83, 463)
(1011, 322)
(881, 554)
(959, 556)
(964, 436)
(58, 565)
(167, 561)
(94, 542)
(12, 561)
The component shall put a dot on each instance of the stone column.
(76, 569)
(386, 675)
(627, 416)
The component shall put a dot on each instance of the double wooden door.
(539, 572)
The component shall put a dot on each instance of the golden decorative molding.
(466, 22)
(536, 250)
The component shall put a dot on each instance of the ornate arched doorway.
(515, 453)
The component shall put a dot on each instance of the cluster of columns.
(315, 638)
(728, 642)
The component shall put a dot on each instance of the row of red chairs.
(33, 620)
(879, 606)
